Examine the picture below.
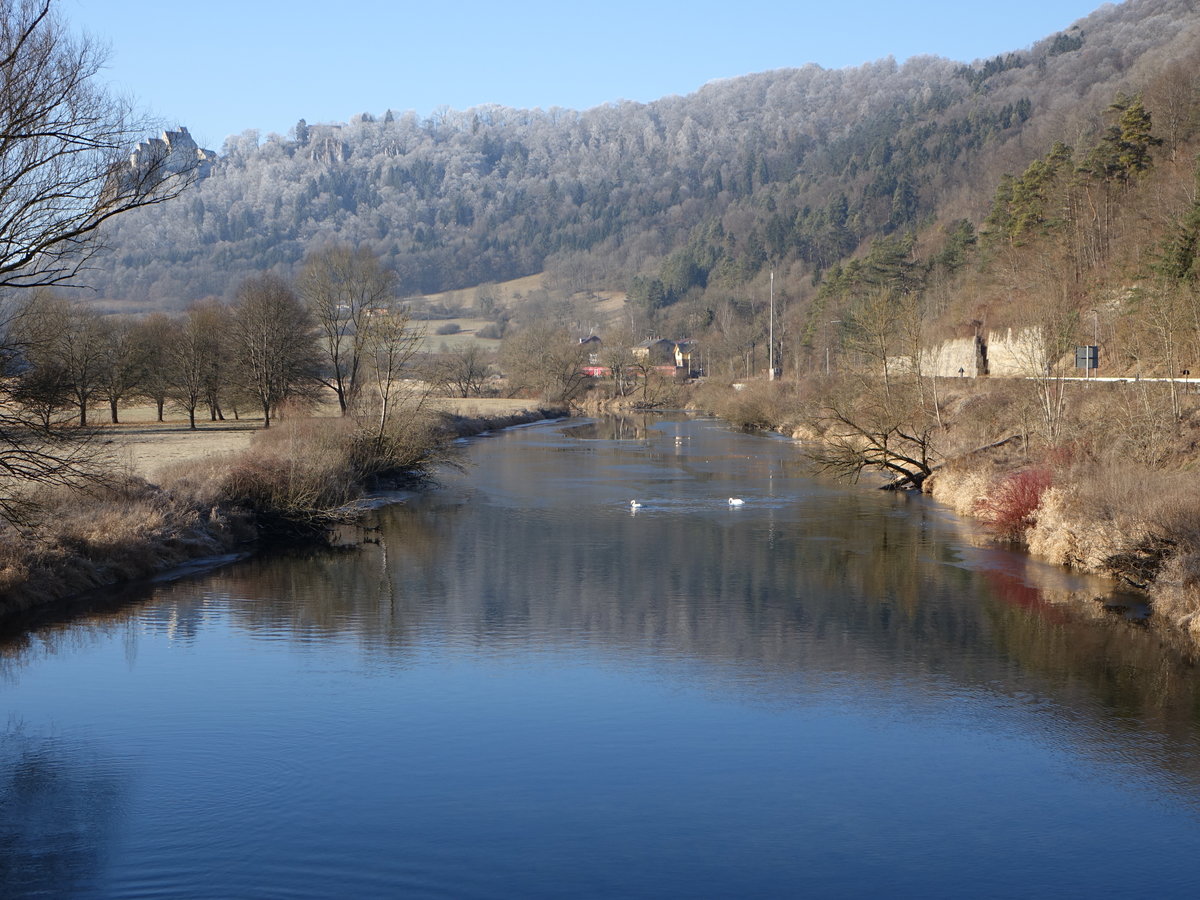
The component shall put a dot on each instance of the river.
(523, 687)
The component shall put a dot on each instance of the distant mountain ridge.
(797, 168)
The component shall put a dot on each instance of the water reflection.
(812, 597)
(538, 548)
(59, 804)
(613, 428)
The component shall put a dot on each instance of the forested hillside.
(686, 197)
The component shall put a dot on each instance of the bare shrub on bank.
(1012, 506)
(864, 428)
(306, 473)
(543, 360)
(759, 404)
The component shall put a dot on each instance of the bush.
(759, 404)
(448, 328)
(1013, 505)
(303, 474)
(493, 331)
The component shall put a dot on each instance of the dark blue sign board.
(1087, 357)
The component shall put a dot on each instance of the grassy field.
(606, 308)
(145, 447)
(505, 293)
(467, 335)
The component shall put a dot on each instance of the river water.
(522, 687)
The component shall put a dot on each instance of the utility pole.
(828, 322)
(771, 333)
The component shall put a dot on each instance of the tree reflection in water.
(818, 581)
(533, 552)
(59, 805)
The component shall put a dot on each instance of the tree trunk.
(112, 408)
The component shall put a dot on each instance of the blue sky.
(221, 67)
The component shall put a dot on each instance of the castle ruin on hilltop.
(174, 152)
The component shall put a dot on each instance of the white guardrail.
(1132, 379)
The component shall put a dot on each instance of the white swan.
(633, 504)
(736, 501)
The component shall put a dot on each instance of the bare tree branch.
(66, 150)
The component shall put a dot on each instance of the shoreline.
(1075, 504)
(1135, 560)
(140, 531)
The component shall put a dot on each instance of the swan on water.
(736, 501)
(633, 504)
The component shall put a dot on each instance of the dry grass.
(480, 407)
(962, 488)
(122, 532)
(1143, 526)
(304, 473)
(1113, 516)
(294, 479)
(467, 335)
(151, 449)
(782, 405)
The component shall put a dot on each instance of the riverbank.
(1107, 487)
(170, 497)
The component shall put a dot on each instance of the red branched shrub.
(1012, 507)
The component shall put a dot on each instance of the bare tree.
(886, 326)
(65, 149)
(546, 360)
(33, 381)
(38, 445)
(341, 287)
(64, 341)
(389, 345)
(1165, 314)
(1173, 95)
(192, 345)
(273, 343)
(67, 166)
(462, 372)
(616, 354)
(213, 320)
(121, 362)
(155, 335)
